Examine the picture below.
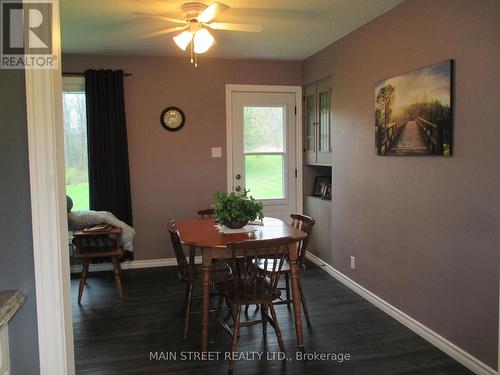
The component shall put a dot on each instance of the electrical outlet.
(353, 262)
(216, 152)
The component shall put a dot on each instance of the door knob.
(238, 176)
(237, 188)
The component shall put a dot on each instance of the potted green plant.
(235, 210)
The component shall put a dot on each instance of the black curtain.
(109, 178)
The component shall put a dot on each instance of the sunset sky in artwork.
(432, 81)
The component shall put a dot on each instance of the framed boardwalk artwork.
(414, 112)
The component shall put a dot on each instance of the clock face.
(172, 118)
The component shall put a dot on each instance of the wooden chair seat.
(245, 292)
(97, 241)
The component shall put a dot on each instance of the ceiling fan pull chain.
(192, 52)
(195, 60)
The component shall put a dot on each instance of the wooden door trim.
(48, 212)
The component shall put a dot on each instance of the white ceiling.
(293, 29)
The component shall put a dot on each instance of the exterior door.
(263, 131)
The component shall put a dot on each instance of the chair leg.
(218, 313)
(263, 310)
(247, 307)
(219, 306)
(228, 304)
(287, 289)
(192, 251)
(276, 327)
(303, 300)
(188, 309)
(186, 299)
(83, 279)
(116, 270)
(236, 334)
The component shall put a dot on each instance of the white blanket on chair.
(81, 219)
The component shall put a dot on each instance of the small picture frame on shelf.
(326, 191)
(319, 181)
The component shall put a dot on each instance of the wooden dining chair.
(105, 243)
(249, 287)
(191, 274)
(208, 212)
(303, 223)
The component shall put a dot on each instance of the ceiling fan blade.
(212, 11)
(168, 19)
(235, 27)
(164, 31)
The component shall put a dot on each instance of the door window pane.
(264, 176)
(263, 129)
(75, 149)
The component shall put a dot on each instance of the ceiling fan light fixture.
(183, 39)
(193, 30)
(203, 40)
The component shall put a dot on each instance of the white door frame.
(297, 90)
(48, 211)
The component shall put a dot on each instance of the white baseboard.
(131, 264)
(460, 355)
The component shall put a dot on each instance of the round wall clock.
(172, 118)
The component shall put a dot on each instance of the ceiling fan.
(198, 19)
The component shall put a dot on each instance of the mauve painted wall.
(172, 173)
(16, 249)
(424, 230)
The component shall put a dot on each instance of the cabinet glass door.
(310, 124)
(324, 147)
(324, 121)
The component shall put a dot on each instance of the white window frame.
(73, 84)
(282, 153)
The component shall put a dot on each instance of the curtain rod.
(77, 74)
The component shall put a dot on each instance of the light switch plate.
(216, 152)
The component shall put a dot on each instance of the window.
(75, 142)
(264, 139)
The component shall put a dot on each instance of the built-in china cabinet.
(318, 163)
(317, 122)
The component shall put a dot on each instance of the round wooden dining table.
(203, 234)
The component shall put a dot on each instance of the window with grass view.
(75, 148)
(264, 151)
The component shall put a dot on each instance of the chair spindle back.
(206, 212)
(182, 263)
(271, 252)
(303, 223)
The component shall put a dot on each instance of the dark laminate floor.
(115, 336)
